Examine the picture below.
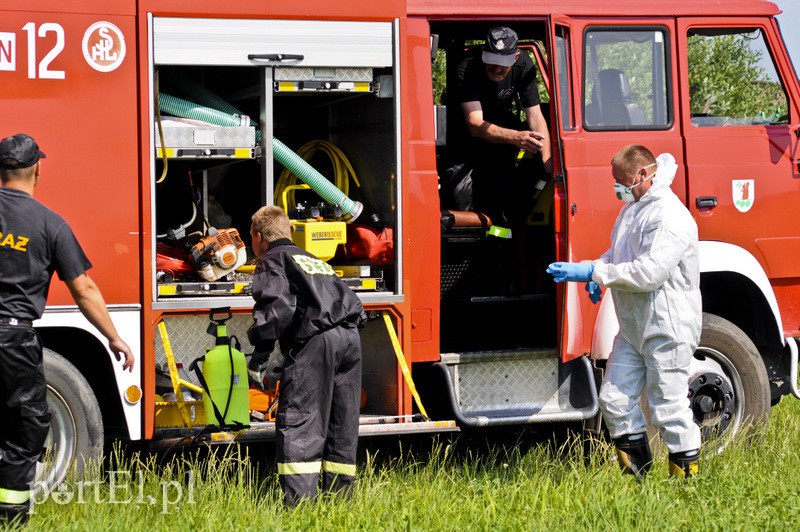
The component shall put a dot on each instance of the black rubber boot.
(634, 455)
(684, 464)
(14, 515)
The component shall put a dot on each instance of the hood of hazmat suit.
(653, 271)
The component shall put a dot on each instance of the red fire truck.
(164, 119)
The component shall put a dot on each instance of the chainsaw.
(218, 253)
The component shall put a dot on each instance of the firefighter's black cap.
(500, 47)
(19, 151)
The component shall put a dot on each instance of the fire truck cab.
(167, 125)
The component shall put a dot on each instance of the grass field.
(449, 485)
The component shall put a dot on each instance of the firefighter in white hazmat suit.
(652, 269)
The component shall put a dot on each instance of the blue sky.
(790, 27)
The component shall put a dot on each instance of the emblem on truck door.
(744, 193)
(103, 46)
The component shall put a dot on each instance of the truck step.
(523, 386)
(265, 431)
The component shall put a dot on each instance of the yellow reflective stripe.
(299, 468)
(14, 496)
(338, 468)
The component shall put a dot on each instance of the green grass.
(456, 487)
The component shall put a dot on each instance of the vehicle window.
(732, 79)
(439, 77)
(625, 79)
(564, 81)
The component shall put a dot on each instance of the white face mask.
(626, 193)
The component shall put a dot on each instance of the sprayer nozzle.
(355, 213)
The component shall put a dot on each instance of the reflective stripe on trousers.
(299, 468)
(339, 469)
(14, 496)
(307, 468)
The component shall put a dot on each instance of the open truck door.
(499, 354)
(613, 81)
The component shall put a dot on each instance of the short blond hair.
(8, 174)
(272, 223)
(632, 157)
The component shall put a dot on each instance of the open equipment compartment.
(248, 114)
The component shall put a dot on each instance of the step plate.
(521, 386)
(494, 381)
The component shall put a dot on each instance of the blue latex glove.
(571, 271)
(595, 292)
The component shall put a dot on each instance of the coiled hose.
(342, 170)
(295, 164)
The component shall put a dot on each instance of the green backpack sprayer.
(224, 377)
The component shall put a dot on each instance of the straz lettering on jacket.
(10, 241)
(313, 266)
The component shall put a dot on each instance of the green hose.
(350, 209)
(318, 183)
(204, 96)
(176, 106)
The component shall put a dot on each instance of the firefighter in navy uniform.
(34, 242)
(303, 304)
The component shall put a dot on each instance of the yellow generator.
(320, 238)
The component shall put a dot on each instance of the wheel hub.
(711, 398)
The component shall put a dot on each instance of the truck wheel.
(728, 384)
(76, 426)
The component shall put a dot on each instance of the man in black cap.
(487, 89)
(34, 242)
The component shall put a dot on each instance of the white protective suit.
(653, 272)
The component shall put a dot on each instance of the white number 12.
(44, 64)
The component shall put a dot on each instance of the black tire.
(728, 384)
(75, 439)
